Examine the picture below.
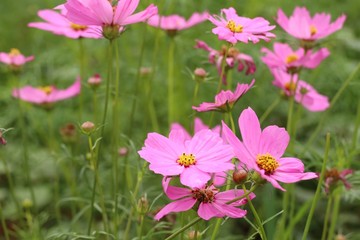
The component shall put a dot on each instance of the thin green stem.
(256, 215)
(82, 75)
(318, 189)
(179, 231)
(326, 219)
(289, 123)
(269, 109)
(171, 81)
(141, 227)
(335, 213)
(4, 226)
(223, 64)
(356, 128)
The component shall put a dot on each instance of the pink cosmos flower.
(14, 58)
(262, 151)
(305, 94)
(102, 13)
(285, 58)
(212, 203)
(58, 24)
(233, 57)
(174, 23)
(46, 95)
(194, 160)
(225, 100)
(234, 28)
(333, 176)
(302, 26)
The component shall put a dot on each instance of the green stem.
(356, 128)
(82, 75)
(269, 109)
(179, 231)
(171, 81)
(318, 189)
(141, 227)
(223, 64)
(335, 213)
(256, 215)
(326, 219)
(4, 226)
(289, 123)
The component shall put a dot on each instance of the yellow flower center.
(290, 86)
(235, 28)
(47, 89)
(291, 58)
(313, 30)
(78, 27)
(267, 163)
(186, 160)
(14, 52)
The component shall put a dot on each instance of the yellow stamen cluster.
(313, 30)
(291, 58)
(267, 163)
(235, 28)
(78, 27)
(186, 160)
(290, 86)
(14, 52)
(47, 89)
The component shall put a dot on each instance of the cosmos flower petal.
(172, 192)
(193, 177)
(71, 91)
(178, 206)
(274, 140)
(250, 130)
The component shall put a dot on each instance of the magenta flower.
(234, 28)
(285, 58)
(225, 100)
(46, 95)
(333, 176)
(174, 23)
(302, 26)
(194, 160)
(233, 57)
(102, 13)
(262, 151)
(58, 24)
(14, 58)
(305, 94)
(212, 203)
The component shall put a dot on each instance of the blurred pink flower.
(285, 58)
(46, 95)
(234, 28)
(262, 150)
(212, 202)
(14, 58)
(302, 26)
(225, 100)
(174, 23)
(333, 176)
(194, 159)
(305, 94)
(102, 13)
(233, 57)
(58, 24)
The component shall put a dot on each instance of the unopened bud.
(68, 133)
(123, 151)
(143, 205)
(340, 237)
(239, 176)
(88, 127)
(27, 203)
(94, 81)
(193, 235)
(144, 71)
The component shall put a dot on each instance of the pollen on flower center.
(291, 58)
(47, 89)
(14, 52)
(204, 195)
(78, 27)
(186, 160)
(267, 163)
(290, 86)
(313, 30)
(235, 28)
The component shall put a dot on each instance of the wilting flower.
(302, 26)
(46, 95)
(174, 23)
(233, 57)
(194, 159)
(14, 59)
(333, 176)
(289, 60)
(110, 18)
(262, 150)
(58, 24)
(212, 202)
(304, 93)
(225, 100)
(2, 139)
(234, 28)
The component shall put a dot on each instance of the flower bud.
(27, 203)
(239, 176)
(68, 133)
(193, 234)
(123, 151)
(94, 81)
(144, 71)
(200, 74)
(88, 127)
(143, 205)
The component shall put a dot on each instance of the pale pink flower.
(302, 26)
(233, 58)
(305, 94)
(234, 28)
(226, 99)
(195, 160)
(14, 58)
(174, 23)
(262, 151)
(286, 58)
(102, 13)
(212, 202)
(48, 94)
(58, 24)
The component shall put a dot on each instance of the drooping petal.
(178, 206)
